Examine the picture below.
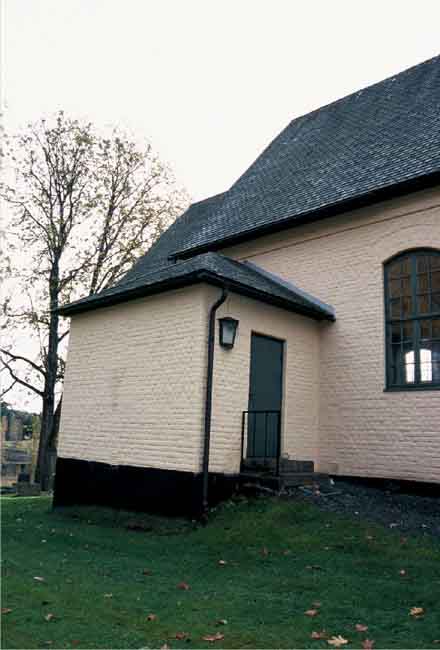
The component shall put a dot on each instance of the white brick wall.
(300, 382)
(134, 385)
(363, 430)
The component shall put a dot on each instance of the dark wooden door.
(265, 396)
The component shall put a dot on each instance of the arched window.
(412, 312)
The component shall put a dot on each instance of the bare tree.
(84, 207)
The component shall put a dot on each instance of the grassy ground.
(102, 580)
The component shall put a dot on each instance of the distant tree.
(84, 207)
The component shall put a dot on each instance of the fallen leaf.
(151, 617)
(337, 641)
(184, 586)
(49, 617)
(165, 646)
(38, 578)
(317, 603)
(147, 572)
(213, 637)
(319, 635)
(264, 551)
(287, 552)
(402, 572)
(222, 562)
(222, 621)
(417, 612)
(368, 644)
(311, 612)
(6, 610)
(369, 537)
(361, 628)
(108, 595)
(181, 635)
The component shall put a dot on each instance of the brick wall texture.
(363, 431)
(135, 383)
(136, 372)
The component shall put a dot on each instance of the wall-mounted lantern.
(228, 331)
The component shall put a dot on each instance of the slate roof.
(213, 268)
(375, 143)
(380, 137)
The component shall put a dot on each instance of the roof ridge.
(391, 77)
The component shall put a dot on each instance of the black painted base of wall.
(142, 489)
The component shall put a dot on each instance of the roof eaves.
(387, 192)
(200, 275)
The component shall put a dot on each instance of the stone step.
(286, 465)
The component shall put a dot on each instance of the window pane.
(425, 364)
(406, 306)
(435, 280)
(435, 302)
(422, 283)
(406, 266)
(408, 330)
(395, 288)
(435, 348)
(396, 365)
(394, 270)
(409, 367)
(425, 329)
(395, 333)
(395, 308)
(423, 304)
(422, 263)
(435, 261)
(406, 286)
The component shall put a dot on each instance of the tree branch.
(21, 381)
(16, 357)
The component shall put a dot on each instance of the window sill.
(410, 389)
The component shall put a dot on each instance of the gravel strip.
(410, 513)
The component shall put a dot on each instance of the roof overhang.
(192, 278)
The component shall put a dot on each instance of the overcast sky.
(209, 82)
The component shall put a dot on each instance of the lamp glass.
(228, 330)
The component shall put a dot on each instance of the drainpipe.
(208, 401)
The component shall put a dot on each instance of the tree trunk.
(47, 418)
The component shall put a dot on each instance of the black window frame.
(415, 318)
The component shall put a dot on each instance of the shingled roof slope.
(376, 138)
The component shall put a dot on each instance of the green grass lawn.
(101, 580)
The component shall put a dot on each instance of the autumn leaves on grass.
(338, 641)
(185, 636)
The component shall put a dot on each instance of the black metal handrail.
(261, 436)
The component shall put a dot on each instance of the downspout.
(208, 400)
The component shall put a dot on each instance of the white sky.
(209, 82)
